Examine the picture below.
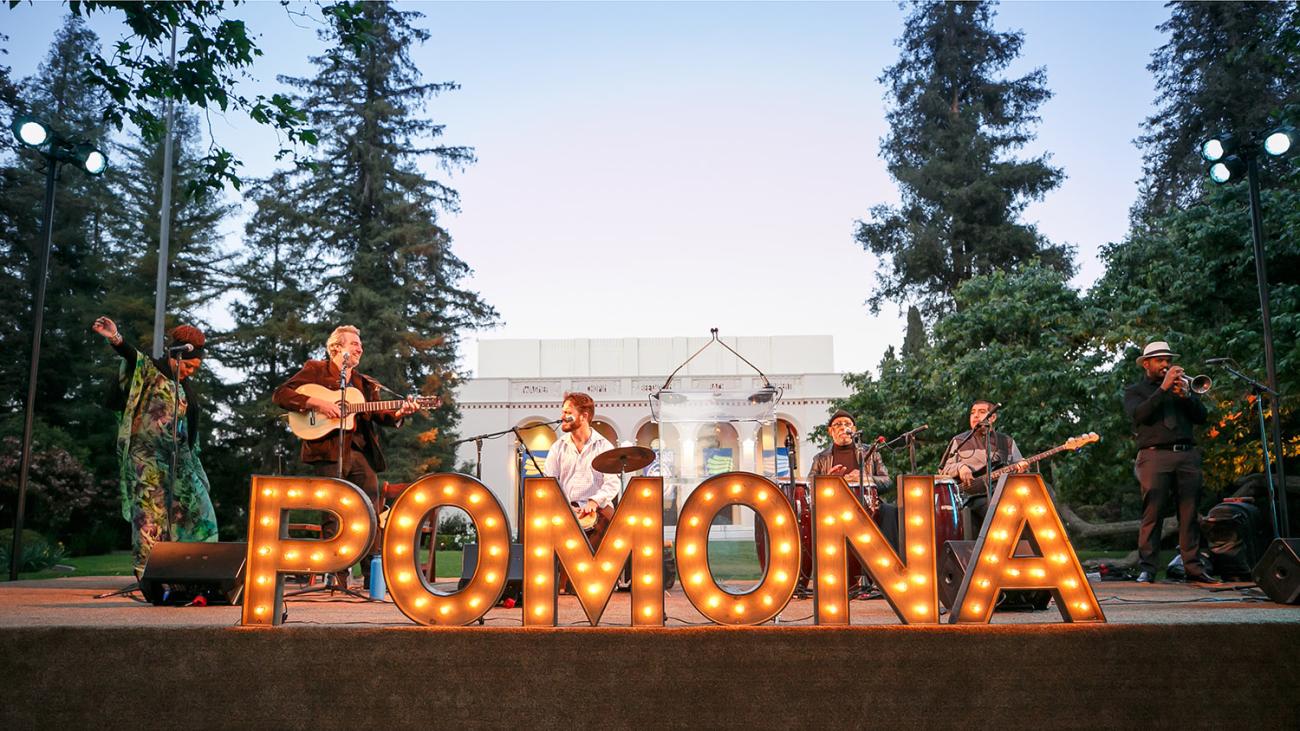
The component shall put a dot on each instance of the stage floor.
(70, 602)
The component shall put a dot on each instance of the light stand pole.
(1270, 367)
(56, 150)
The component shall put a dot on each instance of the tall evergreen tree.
(399, 280)
(276, 326)
(1225, 68)
(954, 121)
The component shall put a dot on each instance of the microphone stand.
(1259, 390)
(910, 438)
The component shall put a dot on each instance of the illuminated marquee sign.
(553, 539)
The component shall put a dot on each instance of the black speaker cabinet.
(179, 573)
(1278, 572)
(952, 568)
(514, 574)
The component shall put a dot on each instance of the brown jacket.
(325, 449)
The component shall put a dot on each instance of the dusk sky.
(650, 169)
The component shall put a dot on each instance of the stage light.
(92, 160)
(1281, 141)
(1215, 148)
(30, 132)
(1228, 169)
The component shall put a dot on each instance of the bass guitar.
(313, 425)
(1071, 444)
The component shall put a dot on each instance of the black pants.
(356, 469)
(1169, 477)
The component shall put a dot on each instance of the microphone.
(182, 348)
(347, 358)
(917, 430)
(1216, 361)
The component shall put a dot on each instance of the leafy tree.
(378, 215)
(1227, 67)
(954, 122)
(213, 55)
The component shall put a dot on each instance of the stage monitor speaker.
(179, 573)
(952, 568)
(514, 574)
(1278, 572)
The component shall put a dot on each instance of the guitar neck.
(1030, 460)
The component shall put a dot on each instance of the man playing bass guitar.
(965, 458)
(361, 454)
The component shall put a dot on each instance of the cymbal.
(623, 459)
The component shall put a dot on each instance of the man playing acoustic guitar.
(308, 392)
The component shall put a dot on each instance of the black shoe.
(1146, 577)
(1203, 578)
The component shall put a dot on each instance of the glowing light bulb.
(494, 551)
(976, 607)
(583, 566)
(294, 493)
(345, 500)
(779, 520)
(539, 579)
(767, 601)
(474, 498)
(1037, 573)
(991, 558)
(921, 608)
(916, 520)
(983, 583)
(1013, 572)
(267, 492)
(830, 550)
(606, 566)
(832, 609)
(648, 611)
(539, 611)
(708, 496)
(714, 601)
(259, 611)
(828, 492)
(489, 522)
(491, 577)
(916, 492)
(785, 547)
(266, 520)
(317, 556)
(846, 516)
(1071, 584)
(694, 521)
(647, 551)
(1082, 605)
(399, 550)
(1038, 510)
(918, 579)
(647, 579)
(618, 543)
(631, 520)
(344, 550)
(781, 576)
(885, 563)
(540, 492)
(828, 578)
(419, 497)
(420, 601)
(404, 577)
(1022, 491)
(738, 608)
(1009, 509)
(735, 489)
(405, 521)
(901, 586)
(556, 520)
(698, 578)
(689, 549)
(571, 543)
(449, 490)
(1060, 558)
(647, 492)
(830, 520)
(263, 580)
(291, 555)
(647, 521)
(864, 538)
(918, 550)
(473, 603)
(539, 552)
(358, 526)
(444, 609)
(762, 495)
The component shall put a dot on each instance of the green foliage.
(953, 123)
(38, 552)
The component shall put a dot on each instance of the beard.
(568, 426)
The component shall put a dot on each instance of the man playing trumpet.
(1164, 407)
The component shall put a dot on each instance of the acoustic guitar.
(313, 425)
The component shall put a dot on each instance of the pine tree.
(954, 121)
(276, 327)
(398, 279)
(1225, 68)
(914, 341)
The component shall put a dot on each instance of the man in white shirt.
(569, 462)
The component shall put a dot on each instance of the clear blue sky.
(689, 165)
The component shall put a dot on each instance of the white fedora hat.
(1156, 349)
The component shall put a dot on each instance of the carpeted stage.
(1172, 655)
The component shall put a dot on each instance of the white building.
(521, 384)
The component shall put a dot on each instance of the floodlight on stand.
(30, 132)
(1281, 141)
(1215, 148)
(92, 160)
(1228, 169)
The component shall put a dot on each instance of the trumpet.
(1198, 385)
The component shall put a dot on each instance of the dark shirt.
(828, 458)
(1161, 418)
(846, 457)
